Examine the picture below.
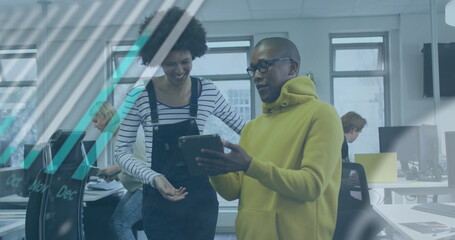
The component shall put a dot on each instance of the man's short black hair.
(193, 38)
(283, 46)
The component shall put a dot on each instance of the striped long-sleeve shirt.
(210, 102)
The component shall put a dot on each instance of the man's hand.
(216, 163)
(168, 191)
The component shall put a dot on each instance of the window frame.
(234, 77)
(33, 54)
(17, 52)
(383, 52)
(219, 77)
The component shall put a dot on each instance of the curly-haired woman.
(176, 205)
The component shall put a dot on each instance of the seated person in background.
(353, 124)
(128, 210)
(352, 220)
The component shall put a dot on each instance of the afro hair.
(193, 38)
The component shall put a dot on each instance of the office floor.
(219, 236)
(225, 236)
(231, 236)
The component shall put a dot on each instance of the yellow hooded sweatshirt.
(290, 190)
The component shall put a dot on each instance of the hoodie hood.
(295, 91)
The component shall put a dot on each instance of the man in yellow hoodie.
(286, 170)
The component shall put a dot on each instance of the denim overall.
(193, 218)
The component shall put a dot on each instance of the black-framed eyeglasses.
(263, 66)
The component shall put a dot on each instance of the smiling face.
(269, 84)
(177, 66)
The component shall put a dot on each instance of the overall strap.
(194, 96)
(152, 101)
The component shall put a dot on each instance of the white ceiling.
(27, 13)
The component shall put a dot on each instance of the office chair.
(54, 210)
(33, 212)
(356, 218)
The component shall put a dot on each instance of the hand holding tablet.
(191, 147)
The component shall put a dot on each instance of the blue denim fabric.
(126, 214)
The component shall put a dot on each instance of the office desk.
(89, 196)
(394, 214)
(8, 226)
(417, 188)
(98, 208)
(11, 221)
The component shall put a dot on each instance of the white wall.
(419, 110)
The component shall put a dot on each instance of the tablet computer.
(191, 147)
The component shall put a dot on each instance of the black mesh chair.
(55, 205)
(356, 218)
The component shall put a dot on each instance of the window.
(225, 64)
(359, 74)
(18, 76)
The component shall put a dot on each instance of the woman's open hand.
(168, 191)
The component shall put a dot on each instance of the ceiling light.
(450, 13)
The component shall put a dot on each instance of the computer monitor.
(450, 154)
(417, 150)
(91, 155)
(88, 145)
(403, 141)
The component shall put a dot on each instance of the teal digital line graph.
(105, 137)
